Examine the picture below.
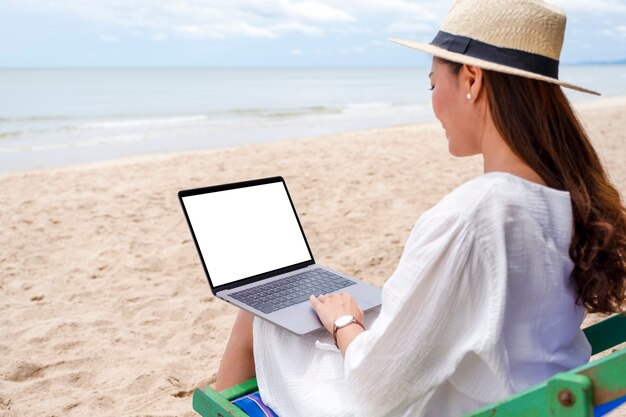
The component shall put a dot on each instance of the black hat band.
(514, 58)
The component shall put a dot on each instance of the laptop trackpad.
(299, 319)
(364, 304)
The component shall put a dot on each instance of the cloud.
(616, 32)
(306, 10)
(109, 39)
(271, 19)
(425, 10)
(311, 10)
(592, 6)
(402, 26)
(159, 37)
(217, 19)
(294, 27)
(297, 52)
(222, 31)
(351, 30)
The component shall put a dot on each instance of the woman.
(492, 287)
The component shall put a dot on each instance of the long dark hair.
(538, 123)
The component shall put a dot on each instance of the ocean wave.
(297, 112)
(278, 113)
(9, 150)
(39, 124)
(382, 107)
(34, 119)
(11, 134)
(42, 130)
(370, 105)
(133, 123)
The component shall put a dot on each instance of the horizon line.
(263, 67)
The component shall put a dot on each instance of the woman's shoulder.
(498, 191)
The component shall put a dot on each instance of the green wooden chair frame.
(591, 389)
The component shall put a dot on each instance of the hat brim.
(464, 59)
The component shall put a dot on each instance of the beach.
(105, 308)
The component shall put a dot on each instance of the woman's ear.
(471, 80)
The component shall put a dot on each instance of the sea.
(54, 117)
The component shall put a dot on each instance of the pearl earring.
(469, 96)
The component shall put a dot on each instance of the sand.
(105, 309)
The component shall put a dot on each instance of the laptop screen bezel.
(232, 186)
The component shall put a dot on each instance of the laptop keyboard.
(291, 290)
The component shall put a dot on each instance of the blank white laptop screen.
(246, 231)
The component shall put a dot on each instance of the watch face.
(343, 320)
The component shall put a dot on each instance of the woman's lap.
(303, 373)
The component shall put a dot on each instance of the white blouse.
(480, 306)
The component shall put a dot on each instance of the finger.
(314, 301)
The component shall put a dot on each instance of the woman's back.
(523, 231)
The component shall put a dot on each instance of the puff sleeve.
(435, 312)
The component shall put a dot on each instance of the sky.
(259, 33)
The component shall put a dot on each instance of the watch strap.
(336, 328)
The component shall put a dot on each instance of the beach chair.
(591, 390)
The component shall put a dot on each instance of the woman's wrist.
(346, 335)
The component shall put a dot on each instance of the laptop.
(255, 254)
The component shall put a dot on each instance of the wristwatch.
(342, 322)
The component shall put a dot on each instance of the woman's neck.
(499, 157)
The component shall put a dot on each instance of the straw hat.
(519, 37)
